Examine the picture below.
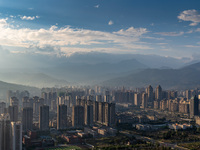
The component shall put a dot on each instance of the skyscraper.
(14, 101)
(77, 116)
(194, 107)
(144, 100)
(26, 102)
(137, 99)
(107, 114)
(13, 109)
(149, 91)
(158, 93)
(95, 111)
(2, 107)
(101, 117)
(88, 114)
(98, 98)
(13, 112)
(62, 117)
(27, 118)
(5, 132)
(188, 94)
(16, 132)
(44, 117)
(112, 114)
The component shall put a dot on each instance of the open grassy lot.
(65, 148)
(192, 145)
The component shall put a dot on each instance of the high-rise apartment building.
(44, 117)
(150, 94)
(188, 94)
(88, 114)
(2, 107)
(194, 107)
(77, 116)
(137, 99)
(14, 101)
(13, 112)
(5, 132)
(26, 102)
(27, 118)
(61, 117)
(144, 100)
(112, 114)
(98, 98)
(101, 117)
(95, 111)
(158, 93)
(16, 132)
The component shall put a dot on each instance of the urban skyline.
(99, 74)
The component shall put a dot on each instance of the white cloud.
(170, 33)
(192, 46)
(11, 16)
(67, 37)
(190, 15)
(96, 6)
(198, 29)
(190, 31)
(162, 43)
(29, 17)
(132, 31)
(110, 23)
(3, 22)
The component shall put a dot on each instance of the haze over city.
(99, 74)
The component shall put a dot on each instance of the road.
(139, 137)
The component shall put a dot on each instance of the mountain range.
(4, 87)
(101, 68)
(183, 78)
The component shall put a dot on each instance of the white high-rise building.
(16, 132)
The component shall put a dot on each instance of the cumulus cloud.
(110, 23)
(71, 39)
(198, 29)
(132, 31)
(29, 17)
(192, 46)
(96, 6)
(3, 22)
(170, 33)
(190, 15)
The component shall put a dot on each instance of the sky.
(64, 27)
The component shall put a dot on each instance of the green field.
(65, 148)
(192, 145)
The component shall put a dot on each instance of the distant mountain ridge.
(89, 73)
(32, 79)
(4, 87)
(183, 78)
(81, 68)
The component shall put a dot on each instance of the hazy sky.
(62, 27)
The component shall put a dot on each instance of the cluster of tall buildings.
(187, 103)
(84, 111)
(10, 133)
(94, 111)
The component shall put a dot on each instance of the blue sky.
(63, 27)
